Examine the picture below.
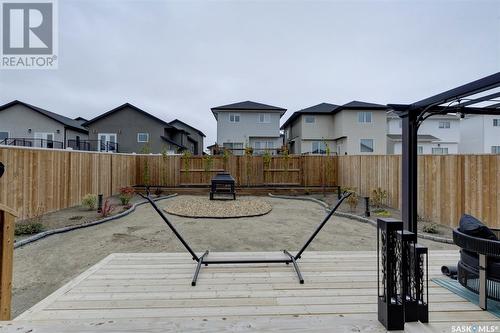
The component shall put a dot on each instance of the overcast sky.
(177, 59)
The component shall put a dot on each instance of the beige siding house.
(355, 128)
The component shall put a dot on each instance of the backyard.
(43, 266)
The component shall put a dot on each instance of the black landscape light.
(2, 169)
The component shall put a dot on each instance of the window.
(444, 124)
(496, 122)
(142, 137)
(264, 118)
(310, 119)
(366, 145)
(400, 122)
(261, 146)
(420, 150)
(318, 147)
(364, 117)
(234, 117)
(495, 149)
(439, 151)
(4, 135)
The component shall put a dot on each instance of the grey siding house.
(129, 129)
(23, 124)
(353, 128)
(249, 124)
(195, 136)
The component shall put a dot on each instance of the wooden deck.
(128, 292)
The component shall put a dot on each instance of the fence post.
(7, 218)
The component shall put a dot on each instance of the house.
(23, 124)
(310, 129)
(249, 124)
(194, 138)
(350, 129)
(480, 134)
(438, 135)
(129, 129)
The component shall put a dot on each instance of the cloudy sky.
(176, 59)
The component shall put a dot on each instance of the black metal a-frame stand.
(289, 258)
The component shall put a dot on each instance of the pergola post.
(409, 184)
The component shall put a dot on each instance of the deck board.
(125, 291)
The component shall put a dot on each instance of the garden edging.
(357, 217)
(47, 233)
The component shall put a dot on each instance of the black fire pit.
(222, 184)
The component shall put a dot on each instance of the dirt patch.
(42, 267)
(203, 207)
(76, 215)
(441, 230)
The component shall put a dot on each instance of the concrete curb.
(47, 233)
(359, 218)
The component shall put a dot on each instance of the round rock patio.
(203, 207)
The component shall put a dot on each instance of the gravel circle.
(201, 207)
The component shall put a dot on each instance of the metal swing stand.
(202, 260)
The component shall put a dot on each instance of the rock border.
(358, 218)
(48, 233)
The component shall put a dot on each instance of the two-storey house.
(23, 124)
(129, 129)
(310, 130)
(438, 135)
(350, 129)
(248, 124)
(480, 134)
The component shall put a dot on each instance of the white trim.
(140, 133)
(108, 136)
(234, 116)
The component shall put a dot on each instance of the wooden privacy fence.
(41, 180)
(448, 185)
(38, 181)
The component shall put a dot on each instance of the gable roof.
(248, 106)
(315, 109)
(65, 121)
(183, 123)
(123, 106)
(363, 105)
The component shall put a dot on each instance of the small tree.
(226, 153)
(378, 197)
(146, 149)
(353, 199)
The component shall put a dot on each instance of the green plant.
(107, 208)
(267, 159)
(186, 159)
(146, 149)
(89, 201)
(225, 157)
(431, 228)
(208, 162)
(28, 228)
(383, 213)
(378, 197)
(126, 194)
(248, 151)
(353, 199)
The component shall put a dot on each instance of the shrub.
(90, 201)
(28, 228)
(431, 228)
(126, 194)
(208, 161)
(353, 199)
(378, 197)
(107, 208)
